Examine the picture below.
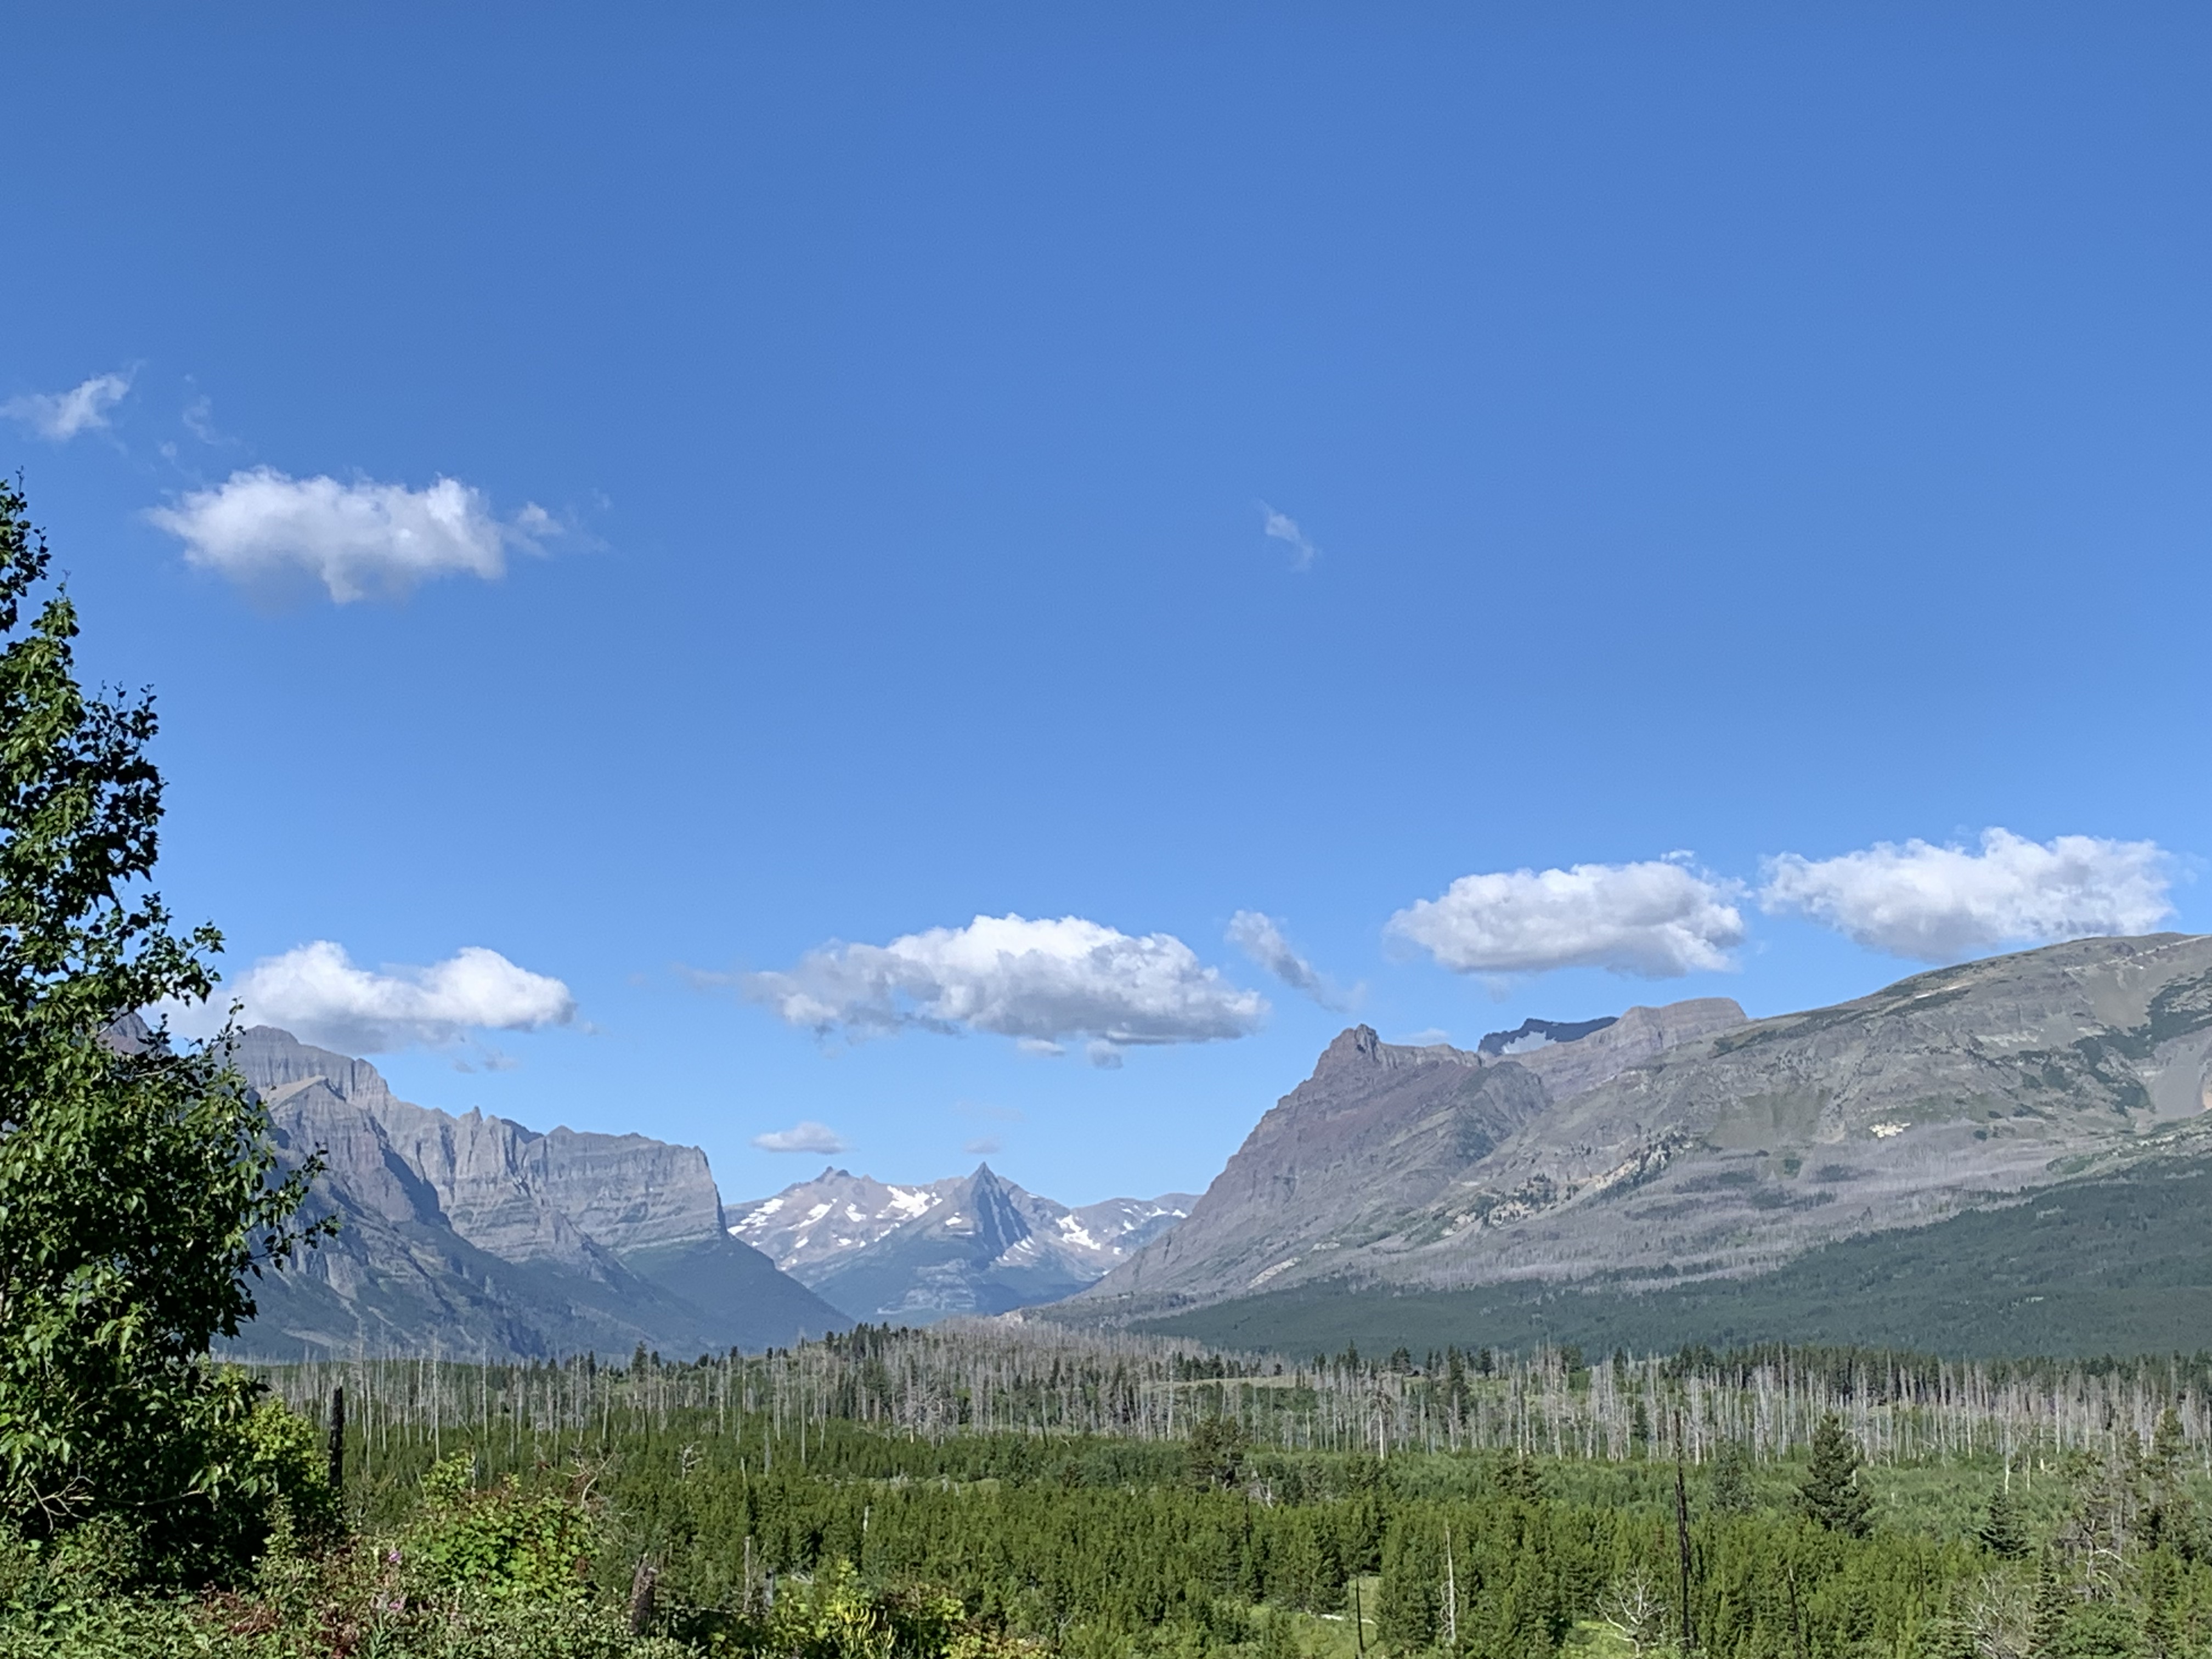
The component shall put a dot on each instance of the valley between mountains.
(2008, 1154)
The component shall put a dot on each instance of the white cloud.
(1939, 903)
(1285, 528)
(1035, 982)
(983, 1146)
(804, 1136)
(316, 993)
(61, 414)
(198, 417)
(1261, 937)
(262, 529)
(1656, 919)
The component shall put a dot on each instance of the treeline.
(1112, 1545)
(1033, 1378)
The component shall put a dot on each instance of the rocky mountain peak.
(1359, 1046)
(1685, 1140)
(972, 1243)
(478, 1233)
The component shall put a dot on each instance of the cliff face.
(476, 1235)
(1684, 1141)
(1378, 1134)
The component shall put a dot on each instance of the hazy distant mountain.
(476, 1235)
(1686, 1145)
(814, 1222)
(966, 1244)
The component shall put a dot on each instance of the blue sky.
(1735, 432)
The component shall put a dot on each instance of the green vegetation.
(1832, 1496)
(136, 1189)
(653, 1512)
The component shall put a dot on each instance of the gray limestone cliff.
(1685, 1142)
(475, 1234)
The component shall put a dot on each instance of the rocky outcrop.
(475, 1234)
(1379, 1134)
(1685, 1141)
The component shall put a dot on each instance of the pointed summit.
(1359, 1046)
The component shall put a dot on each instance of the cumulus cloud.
(263, 530)
(804, 1136)
(1037, 983)
(316, 993)
(1260, 937)
(1938, 903)
(1656, 919)
(61, 414)
(1285, 528)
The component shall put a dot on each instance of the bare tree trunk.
(337, 1441)
(1682, 1540)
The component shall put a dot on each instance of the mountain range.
(479, 1238)
(474, 1236)
(1670, 1170)
(2009, 1153)
(971, 1244)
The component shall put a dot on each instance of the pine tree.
(1216, 1452)
(1731, 1490)
(2004, 1532)
(2054, 1606)
(1832, 1495)
(1519, 1476)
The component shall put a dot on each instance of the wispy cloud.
(1038, 982)
(61, 416)
(804, 1136)
(1940, 903)
(317, 992)
(983, 1146)
(198, 418)
(1260, 937)
(263, 530)
(1285, 528)
(1656, 919)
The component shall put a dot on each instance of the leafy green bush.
(503, 1543)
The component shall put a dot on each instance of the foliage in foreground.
(136, 1180)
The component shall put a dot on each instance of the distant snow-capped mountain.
(814, 1222)
(972, 1243)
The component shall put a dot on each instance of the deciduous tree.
(138, 1184)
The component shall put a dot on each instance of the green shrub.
(503, 1542)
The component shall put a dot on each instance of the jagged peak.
(1355, 1045)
